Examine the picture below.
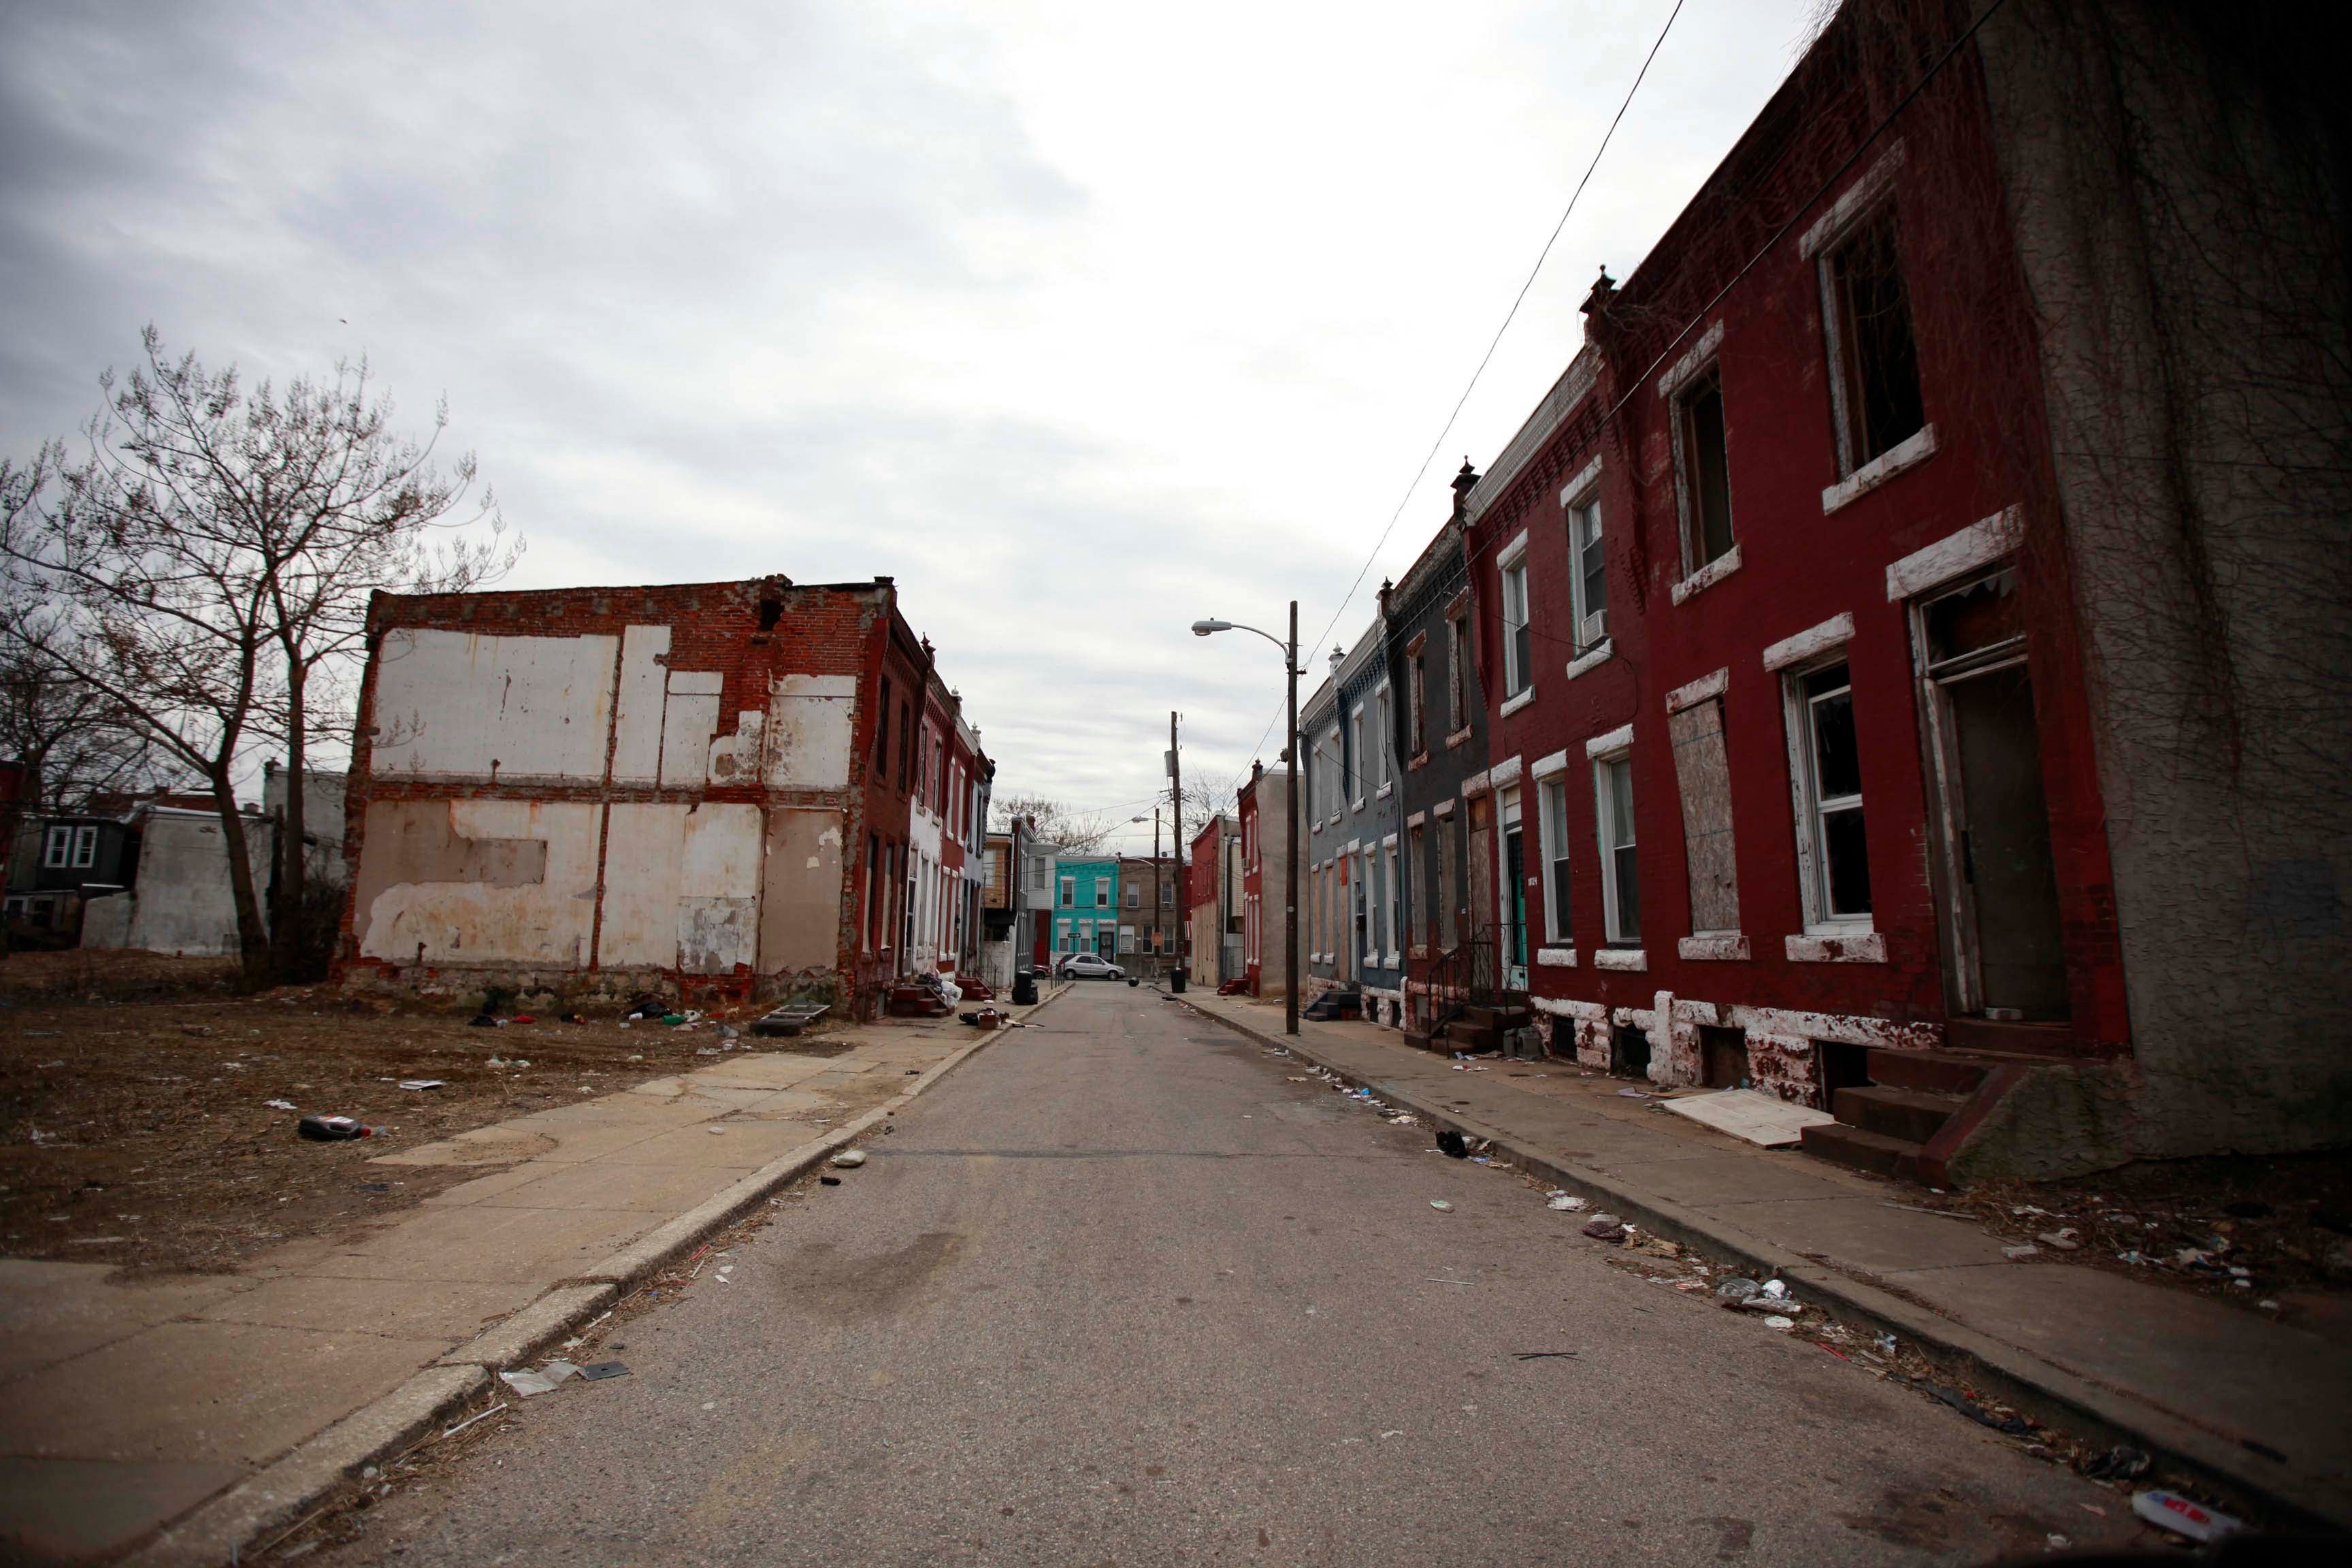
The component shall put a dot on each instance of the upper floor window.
(1416, 702)
(1587, 577)
(1361, 768)
(1874, 360)
(1620, 870)
(1518, 645)
(60, 846)
(1069, 891)
(1457, 673)
(1134, 896)
(882, 733)
(1102, 893)
(1381, 738)
(1703, 470)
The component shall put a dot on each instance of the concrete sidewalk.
(208, 1407)
(2194, 1380)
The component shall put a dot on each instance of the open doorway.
(2000, 910)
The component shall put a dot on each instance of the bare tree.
(1053, 821)
(209, 563)
(72, 742)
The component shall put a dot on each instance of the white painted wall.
(463, 705)
(544, 923)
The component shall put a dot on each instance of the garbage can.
(1024, 988)
(1176, 981)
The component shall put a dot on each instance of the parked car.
(1090, 966)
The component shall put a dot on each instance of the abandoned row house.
(752, 789)
(1814, 695)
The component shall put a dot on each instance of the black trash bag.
(1453, 1146)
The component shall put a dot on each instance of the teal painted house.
(1086, 906)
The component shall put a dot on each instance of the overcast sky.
(1083, 321)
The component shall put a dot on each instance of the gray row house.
(1351, 899)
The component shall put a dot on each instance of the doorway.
(1999, 912)
(1514, 896)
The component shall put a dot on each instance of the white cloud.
(1080, 321)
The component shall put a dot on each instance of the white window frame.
(1552, 836)
(1579, 498)
(1511, 569)
(85, 849)
(1355, 761)
(1102, 892)
(1382, 730)
(1811, 810)
(1069, 892)
(1457, 673)
(1604, 804)
(58, 850)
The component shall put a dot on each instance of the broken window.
(1703, 772)
(1874, 355)
(1705, 470)
(1838, 876)
(1621, 885)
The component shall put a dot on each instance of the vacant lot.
(135, 1127)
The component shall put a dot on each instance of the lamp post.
(1289, 810)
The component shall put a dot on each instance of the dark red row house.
(1797, 774)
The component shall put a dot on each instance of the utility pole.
(1176, 806)
(1159, 926)
(1290, 845)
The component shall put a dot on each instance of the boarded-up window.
(1705, 775)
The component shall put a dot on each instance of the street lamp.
(1290, 810)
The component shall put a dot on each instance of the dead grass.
(134, 1129)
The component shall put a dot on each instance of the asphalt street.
(1123, 1290)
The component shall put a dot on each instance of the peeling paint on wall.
(463, 705)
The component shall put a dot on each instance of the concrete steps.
(1886, 1124)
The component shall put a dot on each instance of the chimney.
(1596, 304)
(1257, 769)
(1339, 657)
(1464, 483)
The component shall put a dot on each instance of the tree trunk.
(252, 936)
(287, 944)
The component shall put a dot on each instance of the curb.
(277, 1495)
(2061, 1398)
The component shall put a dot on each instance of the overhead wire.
(1484, 359)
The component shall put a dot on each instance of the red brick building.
(736, 788)
(1264, 809)
(1798, 777)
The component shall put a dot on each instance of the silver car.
(1091, 966)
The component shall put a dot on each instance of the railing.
(1468, 971)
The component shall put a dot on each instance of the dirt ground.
(134, 1122)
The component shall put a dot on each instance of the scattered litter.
(1777, 1290)
(557, 1370)
(717, 1132)
(332, 1129)
(2171, 1510)
(1566, 1203)
(1769, 1304)
(1783, 1324)
(421, 1083)
(469, 1420)
(1441, 1205)
(597, 1371)
(1385, 1436)
(850, 1159)
(829, 1181)
(1886, 1343)
(1402, 1122)
(2118, 1464)
(2057, 1543)
(1433, 1280)
(529, 1384)
(1737, 1289)
(279, 1104)
(1545, 1355)
(524, 1018)
(1633, 1094)
(2061, 1240)
(1915, 1208)
(1604, 1228)
(2021, 1251)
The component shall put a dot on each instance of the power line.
(1484, 359)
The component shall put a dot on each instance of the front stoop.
(1916, 1113)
